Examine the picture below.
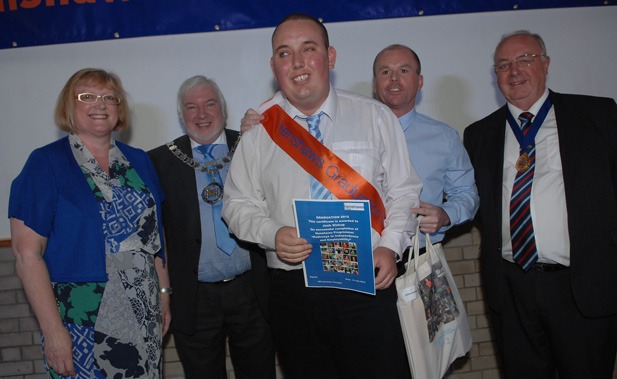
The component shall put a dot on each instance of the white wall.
(456, 51)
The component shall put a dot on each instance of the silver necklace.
(213, 192)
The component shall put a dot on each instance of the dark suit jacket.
(183, 234)
(587, 129)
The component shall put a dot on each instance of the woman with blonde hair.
(86, 233)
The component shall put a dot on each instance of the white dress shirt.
(263, 180)
(548, 198)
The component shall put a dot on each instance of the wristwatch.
(167, 290)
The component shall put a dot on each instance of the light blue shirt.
(214, 264)
(438, 154)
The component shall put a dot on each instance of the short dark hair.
(304, 16)
(394, 47)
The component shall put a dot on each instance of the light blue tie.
(318, 191)
(223, 239)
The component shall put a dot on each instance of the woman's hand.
(28, 248)
(58, 351)
(165, 311)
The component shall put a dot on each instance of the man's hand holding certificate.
(340, 234)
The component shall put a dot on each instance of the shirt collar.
(534, 109)
(222, 139)
(328, 107)
(407, 119)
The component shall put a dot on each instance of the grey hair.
(535, 36)
(197, 81)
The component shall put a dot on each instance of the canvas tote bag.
(431, 311)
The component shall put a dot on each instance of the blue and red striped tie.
(524, 250)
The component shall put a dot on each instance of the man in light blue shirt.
(449, 196)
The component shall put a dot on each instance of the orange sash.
(321, 163)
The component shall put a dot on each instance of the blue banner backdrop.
(44, 22)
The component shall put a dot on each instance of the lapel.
(489, 170)
(568, 133)
(186, 174)
(187, 191)
(496, 135)
(231, 136)
(571, 128)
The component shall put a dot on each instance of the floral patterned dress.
(116, 325)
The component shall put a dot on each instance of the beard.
(206, 136)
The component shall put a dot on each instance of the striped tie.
(318, 191)
(524, 250)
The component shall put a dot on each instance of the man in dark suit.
(548, 218)
(219, 284)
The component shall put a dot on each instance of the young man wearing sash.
(319, 332)
(220, 285)
(548, 212)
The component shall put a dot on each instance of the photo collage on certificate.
(339, 257)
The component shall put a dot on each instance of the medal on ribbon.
(212, 193)
(526, 141)
(523, 162)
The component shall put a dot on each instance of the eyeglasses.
(90, 98)
(525, 60)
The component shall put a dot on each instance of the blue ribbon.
(526, 142)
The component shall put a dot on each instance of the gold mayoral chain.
(523, 162)
(213, 192)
